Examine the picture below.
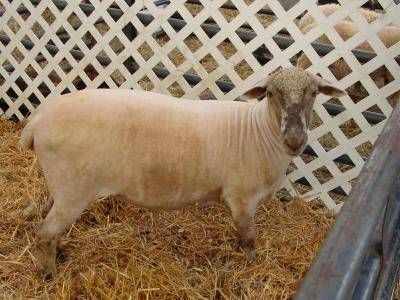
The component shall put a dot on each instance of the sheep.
(329, 9)
(389, 35)
(156, 151)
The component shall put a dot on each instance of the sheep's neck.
(266, 128)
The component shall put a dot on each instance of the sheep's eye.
(314, 94)
(269, 95)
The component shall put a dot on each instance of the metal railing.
(360, 256)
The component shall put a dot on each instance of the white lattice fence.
(52, 47)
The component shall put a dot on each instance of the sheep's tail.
(26, 141)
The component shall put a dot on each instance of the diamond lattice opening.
(100, 58)
(309, 156)
(24, 110)
(149, 17)
(64, 65)
(226, 48)
(226, 79)
(262, 55)
(292, 167)
(74, 21)
(323, 173)
(79, 83)
(91, 72)
(87, 12)
(89, 40)
(364, 149)
(374, 115)
(338, 195)
(302, 185)
(6, 66)
(44, 89)
(243, 69)
(145, 51)
(102, 27)
(207, 95)
(21, 83)
(65, 91)
(245, 35)
(34, 100)
(209, 63)
(229, 11)
(176, 90)
(173, 25)
(283, 195)
(24, 15)
(344, 163)
(328, 141)
(18, 56)
(381, 76)
(161, 39)
(350, 128)
(53, 76)
(116, 45)
(30, 71)
(11, 93)
(103, 85)
(13, 25)
(194, 9)
(176, 57)
(394, 98)
(3, 105)
(64, 37)
(129, 64)
(340, 69)
(209, 28)
(48, 16)
(316, 121)
(193, 43)
(146, 84)
(265, 17)
(130, 31)
(357, 92)
(117, 77)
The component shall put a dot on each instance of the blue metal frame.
(360, 256)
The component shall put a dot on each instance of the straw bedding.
(121, 251)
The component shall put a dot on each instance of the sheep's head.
(291, 94)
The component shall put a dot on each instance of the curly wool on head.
(291, 79)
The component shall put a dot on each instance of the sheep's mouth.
(293, 151)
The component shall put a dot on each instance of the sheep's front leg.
(243, 217)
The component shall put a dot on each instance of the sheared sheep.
(160, 152)
(389, 35)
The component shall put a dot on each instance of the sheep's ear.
(256, 92)
(327, 88)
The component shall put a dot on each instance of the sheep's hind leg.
(47, 206)
(62, 215)
(30, 210)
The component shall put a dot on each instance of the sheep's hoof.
(46, 265)
(47, 272)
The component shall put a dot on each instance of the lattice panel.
(218, 47)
